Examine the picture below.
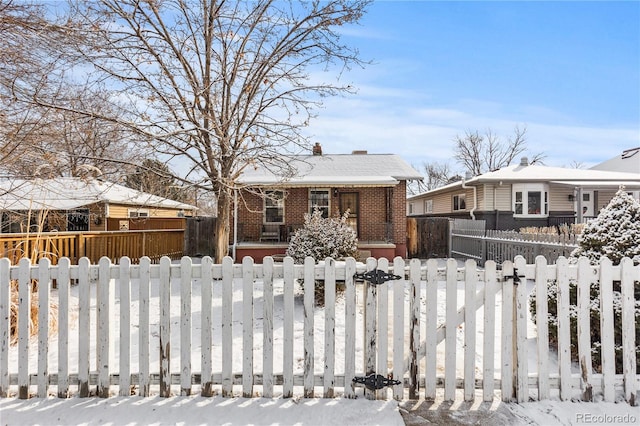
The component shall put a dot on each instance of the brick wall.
(377, 206)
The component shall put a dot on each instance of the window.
(410, 208)
(319, 199)
(459, 202)
(139, 213)
(530, 200)
(274, 207)
(428, 206)
(78, 220)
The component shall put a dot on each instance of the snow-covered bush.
(615, 233)
(323, 237)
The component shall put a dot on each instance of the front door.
(349, 201)
(587, 204)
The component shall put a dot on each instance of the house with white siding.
(525, 195)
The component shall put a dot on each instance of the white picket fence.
(249, 328)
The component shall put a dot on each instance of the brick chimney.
(317, 149)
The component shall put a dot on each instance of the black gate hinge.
(375, 381)
(376, 276)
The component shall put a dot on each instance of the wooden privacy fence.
(253, 328)
(93, 245)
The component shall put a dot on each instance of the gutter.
(475, 198)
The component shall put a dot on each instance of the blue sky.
(569, 71)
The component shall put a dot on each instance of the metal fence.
(470, 240)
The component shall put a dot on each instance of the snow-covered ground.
(196, 410)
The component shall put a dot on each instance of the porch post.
(580, 215)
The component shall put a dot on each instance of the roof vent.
(524, 161)
(359, 152)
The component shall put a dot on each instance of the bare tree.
(220, 85)
(481, 153)
(39, 141)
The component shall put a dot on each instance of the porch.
(258, 241)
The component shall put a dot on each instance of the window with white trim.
(428, 206)
(531, 199)
(459, 202)
(320, 199)
(274, 207)
(139, 213)
(410, 208)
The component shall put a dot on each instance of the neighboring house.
(74, 204)
(372, 187)
(628, 161)
(525, 195)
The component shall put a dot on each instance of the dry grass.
(573, 229)
(33, 323)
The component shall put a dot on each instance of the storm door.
(349, 201)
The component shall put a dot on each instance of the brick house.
(372, 187)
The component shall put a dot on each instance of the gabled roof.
(337, 169)
(628, 161)
(537, 173)
(70, 193)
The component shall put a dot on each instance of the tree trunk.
(222, 227)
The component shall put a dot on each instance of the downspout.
(475, 198)
(235, 224)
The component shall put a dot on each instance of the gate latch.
(515, 277)
(375, 381)
(376, 276)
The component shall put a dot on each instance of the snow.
(196, 410)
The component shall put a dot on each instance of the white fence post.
(451, 317)
(507, 353)
(431, 320)
(542, 326)
(398, 328)
(63, 281)
(125, 327)
(489, 339)
(87, 277)
(607, 354)
(350, 328)
(584, 326)
(329, 327)
(44, 290)
(185, 326)
(522, 359)
(143, 325)
(5, 327)
(628, 332)
(287, 344)
(165, 326)
(103, 324)
(370, 315)
(414, 327)
(267, 328)
(383, 326)
(470, 284)
(309, 304)
(247, 327)
(227, 327)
